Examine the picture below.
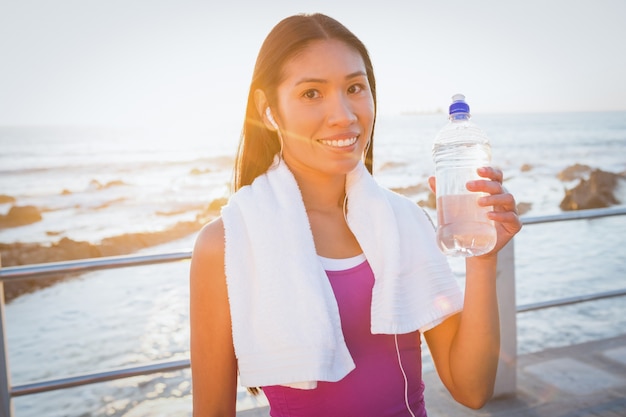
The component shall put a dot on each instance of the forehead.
(323, 59)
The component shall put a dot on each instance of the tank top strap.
(334, 264)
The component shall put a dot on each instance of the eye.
(356, 88)
(311, 94)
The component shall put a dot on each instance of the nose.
(341, 111)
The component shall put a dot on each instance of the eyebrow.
(323, 81)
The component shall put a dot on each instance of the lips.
(339, 143)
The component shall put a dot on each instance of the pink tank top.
(376, 386)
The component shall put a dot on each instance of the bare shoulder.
(210, 240)
(207, 260)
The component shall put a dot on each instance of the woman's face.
(325, 108)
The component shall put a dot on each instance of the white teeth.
(340, 143)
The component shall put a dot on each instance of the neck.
(323, 195)
(321, 192)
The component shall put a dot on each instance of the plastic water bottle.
(460, 148)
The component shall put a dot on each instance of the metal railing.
(569, 216)
(7, 392)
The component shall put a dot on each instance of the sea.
(93, 183)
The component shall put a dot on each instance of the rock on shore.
(598, 191)
(20, 216)
(5, 199)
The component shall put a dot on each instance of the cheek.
(367, 111)
(303, 125)
(368, 123)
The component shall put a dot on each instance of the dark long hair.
(258, 144)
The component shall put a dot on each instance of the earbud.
(268, 113)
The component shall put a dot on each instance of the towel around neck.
(285, 320)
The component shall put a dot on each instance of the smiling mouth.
(339, 143)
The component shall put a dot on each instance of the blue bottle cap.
(458, 104)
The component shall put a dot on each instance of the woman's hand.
(504, 212)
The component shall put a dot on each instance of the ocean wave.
(84, 164)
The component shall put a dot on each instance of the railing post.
(6, 403)
(506, 378)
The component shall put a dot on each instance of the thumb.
(432, 182)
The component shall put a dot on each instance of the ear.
(261, 104)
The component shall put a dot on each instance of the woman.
(348, 342)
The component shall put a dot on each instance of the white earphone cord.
(406, 382)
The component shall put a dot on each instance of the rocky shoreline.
(15, 254)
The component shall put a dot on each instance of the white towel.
(285, 319)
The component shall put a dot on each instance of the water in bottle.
(460, 148)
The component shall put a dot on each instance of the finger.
(493, 174)
(485, 186)
(501, 202)
(432, 183)
(509, 220)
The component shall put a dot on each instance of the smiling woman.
(316, 280)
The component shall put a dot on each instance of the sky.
(188, 63)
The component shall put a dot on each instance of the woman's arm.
(465, 347)
(213, 363)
